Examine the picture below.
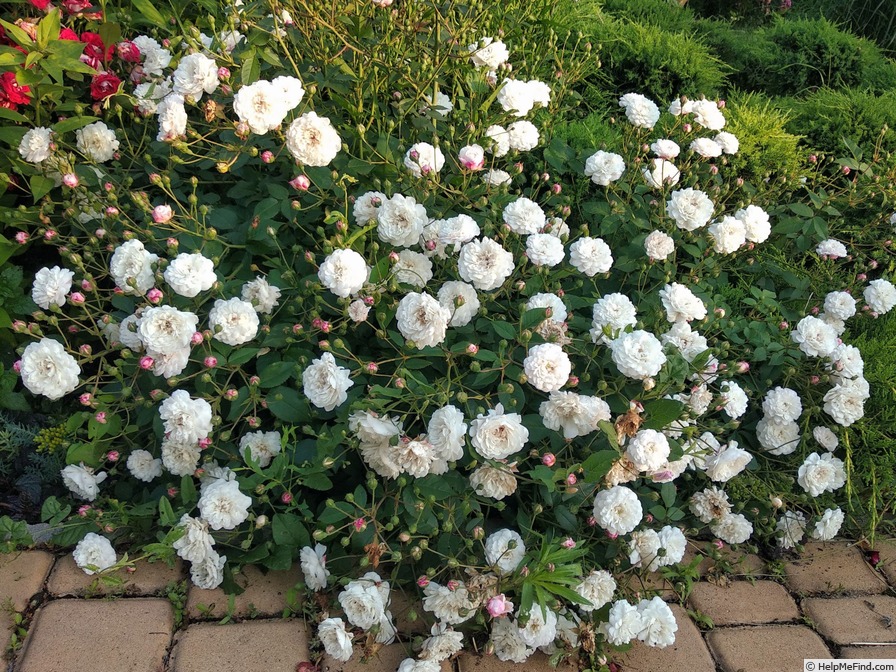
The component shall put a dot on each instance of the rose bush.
(327, 289)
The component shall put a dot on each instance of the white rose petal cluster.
(485, 264)
(613, 312)
(325, 383)
(815, 337)
(233, 321)
(97, 142)
(681, 303)
(640, 110)
(728, 235)
(424, 159)
(756, 222)
(547, 367)
(821, 473)
(263, 296)
(661, 173)
(497, 434)
(195, 75)
(504, 550)
(35, 145)
(638, 354)
(604, 167)
(422, 319)
(82, 481)
(524, 216)
(223, 506)
(489, 53)
(880, 295)
(659, 245)
(690, 208)
(189, 274)
(573, 414)
(344, 272)
(51, 286)
(543, 249)
(94, 553)
(617, 510)
(590, 256)
(48, 369)
(400, 221)
(263, 106)
(312, 140)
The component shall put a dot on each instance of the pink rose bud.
(286, 497)
(783, 325)
(814, 380)
(99, 233)
(499, 606)
(556, 188)
(172, 492)
(101, 417)
(393, 257)
(721, 104)
(548, 459)
(154, 295)
(73, 329)
(17, 366)
(162, 214)
(571, 479)
(739, 181)
(84, 509)
(108, 186)
(687, 128)
(568, 543)
(423, 581)
(223, 73)
(196, 338)
(112, 456)
(611, 535)
(204, 443)
(813, 158)
(231, 394)
(309, 257)
(719, 312)
(372, 367)
(297, 329)
(719, 544)
(146, 362)
(872, 264)
(50, 234)
(86, 285)
(267, 156)
(77, 298)
(545, 177)
(21, 237)
(85, 349)
(714, 170)
(565, 211)
(472, 349)
(254, 380)
(743, 367)
(111, 211)
(254, 421)
(430, 245)
(399, 383)
(86, 399)
(360, 525)
(573, 381)
(861, 277)
(210, 362)
(70, 180)
(814, 310)
(846, 170)
(453, 584)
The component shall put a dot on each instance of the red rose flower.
(12, 93)
(128, 51)
(69, 34)
(75, 6)
(40, 4)
(104, 85)
(95, 49)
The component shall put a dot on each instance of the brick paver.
(92, 635)
(147, 578)
(849, 620)
(469, 662)
(832, 567)
(765, 647)
(387, 659)
(872, 652)
(265, 595)
(403, 607)
(688, 654)
(275, 645)
(22, 576)
(887, 565)
(744, 602)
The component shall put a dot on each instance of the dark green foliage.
(827, 116)
(873, 19)
(665, 14)
(767, 148)
(748, 53)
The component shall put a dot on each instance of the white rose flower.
(485, 264)
(691, 209)
(223, 506)
(826, 438)
(262, 446)
(681, 303)
(815, 337)
(499, 137)
(47, 369)
(261, 105)
(314, 566)
(94, 553)
(604, 167)
(457, 230)
(82, 481)
(143, 466)
(617, 510)
(189, 274)
(507, 642)
(557, 227)
(709, 504)
(665, 149)
(833, 249)
(732, 528)
(413, 268)
(638, 354)
(782, 405)
(446, 432)
(414, 457)
(613, 311)
(792, 526)
(880, 295)
(472, 157)
(504, 550)
(661, 173)
(460, 300)
(363, 604)
(443, 643)
(524, 216)
(543, 249)
(358, 311)
(598, 588)
(591, 256)
(727, 462)
(640, 110)
(169, 364)
(196, 543)
(728, 235)
(488, 53)
(424, 159)
(149, 94)
(291, 89)
(195, 74)
(778, 438)
(659, 245)
(734, 399)
(172, 118)
(523, 136)
(497, 435)
(828, 525)
(400, 221)
(261, 294)
(516, 97)
(97, 142)
(648, 450)
(547, 367)
(838, 325)
(624, 623)
(233, 321)
(707, 114)
(706, 147)
(186, 419)
(658, 621)
(840, 305)
(845, 402)
(440, 107)
(34, 146)
(540, 629)
(552, 301)
(821, 473)
(496, 178)
(155, 61)
(541, 92)
(336, 640)
(367, 207)
(131, 267)
(50, 286)
(496, 482)
(673, 543)
(728, 142)
(644, 547)
(180, 458)
(689, 342)
(344, 272)
(165, 330)
(312, 140)
(448, 606)
(573, 414)
(208, 573)
(325, 383)
(422, 319)
(756, 223)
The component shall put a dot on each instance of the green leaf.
(667, 492)
(149, 12)
(16, 34)
(661, 412)
(72, 124)
(53, 512)
(88, 453)
(12, 115)
(166, 513)
(242, 355)
(597, 465)
(187, 490)
(289, 531)
(276, 373)
(532, 318)
(48, 28)
(286, 404)
(801, 209)
(504, 329)
(40, 186)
